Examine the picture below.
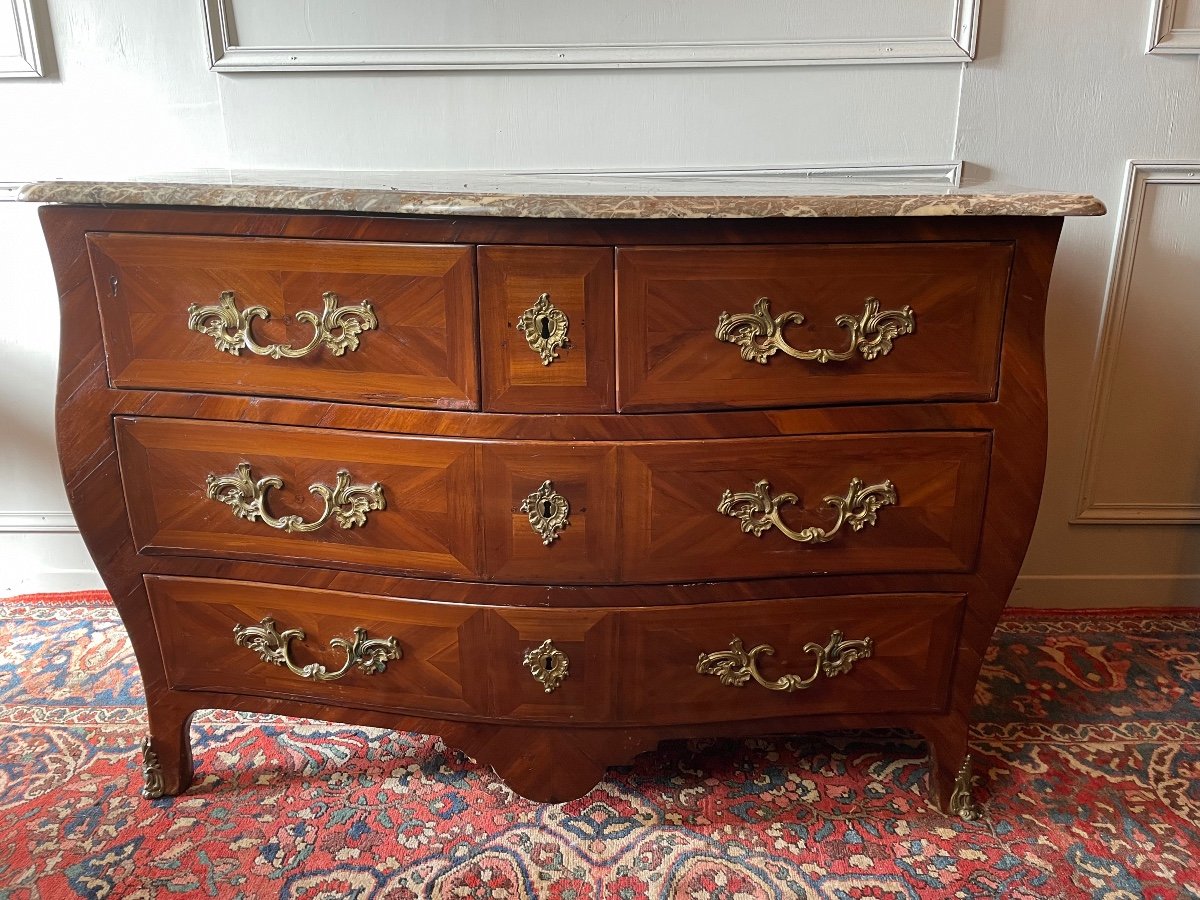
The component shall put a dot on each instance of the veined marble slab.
(569, 196)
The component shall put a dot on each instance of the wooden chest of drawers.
(555, 489)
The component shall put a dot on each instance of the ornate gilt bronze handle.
(759, 511)
(337, 327)
(758, 335)
(736, 666)
(346, 503)
(369, 655)
(545, 328)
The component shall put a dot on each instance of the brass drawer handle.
(759, 511)
(369, 655)
(547, 510)
(759, 336)
(545, 328)
(346, 503)
(229, 327)
(736, 666)
(547, 664)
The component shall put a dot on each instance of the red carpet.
(1087, 741)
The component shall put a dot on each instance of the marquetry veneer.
(555, 553)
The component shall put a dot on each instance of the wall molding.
(1138, 175)
(1164, 36)
(957, 45)
(27, 62)
(36, 522)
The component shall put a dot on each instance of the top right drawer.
(801, 325)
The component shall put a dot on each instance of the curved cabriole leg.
(951, 776)
(167, 753)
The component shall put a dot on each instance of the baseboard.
(46, 562)
(1105, 591)
(36, 522)
(62, 582)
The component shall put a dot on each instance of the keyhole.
(112, 283)
(548, 663)
(547, 509)
(544, 323)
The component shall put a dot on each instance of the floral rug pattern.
(1087, 741)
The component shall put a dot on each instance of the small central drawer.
(357, 322)
(807, 325)
(546, 329)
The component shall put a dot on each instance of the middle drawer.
(556, 512)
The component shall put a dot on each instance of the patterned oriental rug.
(1087, 741)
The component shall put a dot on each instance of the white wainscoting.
(19, 53)
(1174, 26)
(1141, 461)
(380, 35)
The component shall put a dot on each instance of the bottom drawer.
(640, 666)
(725, 662)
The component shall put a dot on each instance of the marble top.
(569, 196)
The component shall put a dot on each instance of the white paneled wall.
(658, 118)
(1133, 470)
(39, 548)
(1060, 95)
(1063, 95)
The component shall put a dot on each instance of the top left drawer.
(357, 322)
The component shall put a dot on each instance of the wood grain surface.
(670, 301)
(579, 282)
(626, 665)
(557, 761)
(422, 352)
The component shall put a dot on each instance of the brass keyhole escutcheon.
(547, 664)
(547, 511)
(545, 328)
